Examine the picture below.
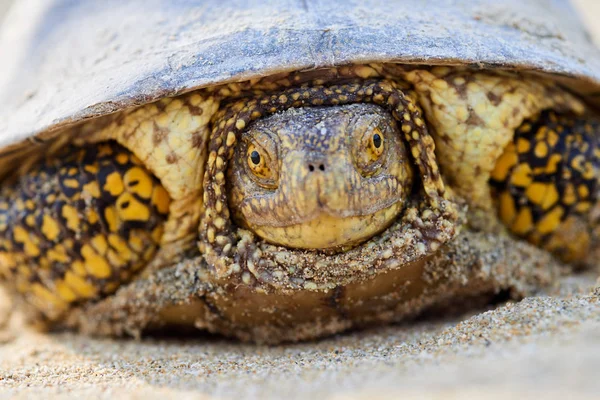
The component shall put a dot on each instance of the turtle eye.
(369, 151)
(257, 162)
(376, 144)
(255, 158)
(261, 165)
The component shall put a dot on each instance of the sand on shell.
(541, 347)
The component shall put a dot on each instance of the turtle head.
(320, 177)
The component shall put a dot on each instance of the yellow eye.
(369, 150)
(258, 162)
(376, 145)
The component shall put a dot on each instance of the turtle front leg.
(547, 183)
(78, 225)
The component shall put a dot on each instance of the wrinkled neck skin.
(325, 188)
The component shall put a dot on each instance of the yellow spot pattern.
(217, 237)
(95, 218)
(169, 141)
(546, 181)
(474, 116)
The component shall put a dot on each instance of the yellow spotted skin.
(169, 137)
(546, 183)
(218, 240)
(79, 224)
(474, 116)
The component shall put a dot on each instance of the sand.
(541, 347)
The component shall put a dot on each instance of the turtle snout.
(316, 164)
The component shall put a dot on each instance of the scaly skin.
(547, 184)
(218, 239)
(219, 266)
(79, 225)
(474, 116)
(324, 178)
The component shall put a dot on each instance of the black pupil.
(377, 140)
(255, 157)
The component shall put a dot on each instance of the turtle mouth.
(324, 230)
(319, 203)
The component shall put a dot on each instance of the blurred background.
(589, 10)
(3, 6)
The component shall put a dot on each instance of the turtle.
(283, 171)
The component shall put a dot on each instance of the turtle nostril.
(313, 167)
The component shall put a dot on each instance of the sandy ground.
(547, 346)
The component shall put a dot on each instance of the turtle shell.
(65, 61)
